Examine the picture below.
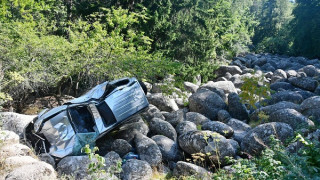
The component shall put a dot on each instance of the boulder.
(33, 171)
(160, 127)
(306, 83)
(240, 129)
(310, 70)
(15, 122)
(76, 166)
(14, 150)
(175, 117)
(317, 91)
(278, 75)
(148, 150)
(128, 131)
(121, 146)
(237, 80)
(304, 93)
(238, 125)
(236, 108)
(194, 142)
(17, 161)
(311, 108)
(267, 110)
(310, 103)
(258, 138)
(268, 67)
(235, 145)
(222, 70)
(218, 127)
(292, 117)
(207, 103)
(151, 112)
(260, 62)
(292, 73)
(220, 92)
(45, 157)
(227, 76)
(223, 116)
(289, 96)
(135, 169)
(226, 86)
(184, 169)
(8, 137)
(238, 63)
(281, 85)
(169, 149)
(190, 87)
(112, 159)
(185, 126)
(196, 118)
(281, 73)
(162, 102)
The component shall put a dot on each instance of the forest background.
(50, 47)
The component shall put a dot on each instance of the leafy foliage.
(254, 90)
(306, 28)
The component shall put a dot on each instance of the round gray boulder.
(240, 129)
(226, 86)
(196, 118)
(135, 169)
(15, 122)
(223, 116)
(185, 126)
(169, 149)
(194, 142)
(160, 127)
(76, 166)
(236, 108)
(128, 131)
(190, 87)
(33, 171)
(289, 96)
(281, 85)
(222, 70)
(311, 108)
(151, 112)
(310, 70)
(121, 146)
(175, 117)
(148, 150)
(258, 138)
(218, 127)
(292, 117)
(163, 102)
(184, 169)
(207, 103)
(267, 110)
(8, 137)
(306, 83)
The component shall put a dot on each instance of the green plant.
(97, 167)
(262, 118)
(254, 90)
(97, 164)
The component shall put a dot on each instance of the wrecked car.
(64, 130)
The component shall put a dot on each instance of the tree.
(274, 17)
(306, 28)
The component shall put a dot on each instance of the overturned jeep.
(64, 130)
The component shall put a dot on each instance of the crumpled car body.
(64, 130)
